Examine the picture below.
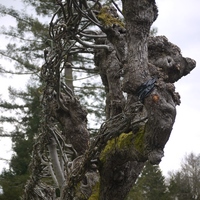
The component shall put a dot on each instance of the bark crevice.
(134, 131)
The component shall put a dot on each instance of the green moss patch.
(95, 192)
(107, 19)
(125, 140)
(138, 141)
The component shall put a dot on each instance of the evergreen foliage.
(14, 179)
(28, 39)
(12, 185)
(26, 53)
(150, 185)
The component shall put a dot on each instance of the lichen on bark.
(135, 130)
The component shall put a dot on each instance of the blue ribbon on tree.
(145, 89)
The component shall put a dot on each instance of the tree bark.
(139, 16)
(136, 129)
(109, 67)
(118, 173)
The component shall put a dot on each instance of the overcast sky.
(179, 21)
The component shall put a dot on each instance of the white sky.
(179, 21)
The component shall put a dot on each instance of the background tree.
(185, 184)
(25, 51)
(65, 164)
(26, 128)
(150, 185)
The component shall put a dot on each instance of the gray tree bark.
(136, 129)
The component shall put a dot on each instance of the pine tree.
(26, 52)
(65, 162)
(14, 179)
(150, 185)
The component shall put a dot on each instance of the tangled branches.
(63, 133)
(134, 131)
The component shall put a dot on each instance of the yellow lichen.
(125, 140)
(107, 19)
(138, 140)
(95, 192)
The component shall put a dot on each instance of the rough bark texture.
(139, 16)
(118, 173)
(140, 64)
(109, 68)
(136, 130)
(74, 123)
(119, 178)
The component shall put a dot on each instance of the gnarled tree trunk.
(138, 73)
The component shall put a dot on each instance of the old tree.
(138, 73)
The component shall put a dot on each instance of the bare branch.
(56, 163)
(92, 45)
(92, 36)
